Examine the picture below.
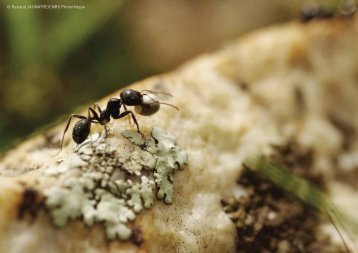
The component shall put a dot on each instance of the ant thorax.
(150, 105)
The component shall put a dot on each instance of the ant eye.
(131, 97)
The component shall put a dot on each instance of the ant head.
(131, 97)
(81, 130)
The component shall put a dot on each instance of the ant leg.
(125, 113)
(66, 128)
(125, 109)
(98, 108)
(95, 115)
(91, 139)
(106, 143)
(97, 118)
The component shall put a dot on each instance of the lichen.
(114, 212)
(170, 158)
(69, 202)
(112, 187)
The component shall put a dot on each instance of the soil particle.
(137, 237)
(298, 160)
(349, 178)
(30, 204)
(299, 99)
(270, 220)
(348, 132)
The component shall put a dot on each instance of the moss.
(113, 189)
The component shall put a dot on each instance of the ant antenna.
(157, 92)
(173, 106)
(155, 101)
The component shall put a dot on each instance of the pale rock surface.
(281, 83)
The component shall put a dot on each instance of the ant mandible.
(144, 104)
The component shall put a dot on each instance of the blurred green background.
(54, 60)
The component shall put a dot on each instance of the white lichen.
(113, 186)
(70, 202)
(146, 192)
(115, 213)
(170, 158)
(167, 156)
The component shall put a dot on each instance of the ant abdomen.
(150, 105)
(81, 130)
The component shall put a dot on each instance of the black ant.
(310, 12)
(314, 11)
(144, 104)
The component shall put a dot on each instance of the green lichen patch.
(138, 160)
(146, 192)
(70, 202)
(168, 158)
(113, 187)
(114, 212)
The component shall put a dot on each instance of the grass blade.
(305, 191)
